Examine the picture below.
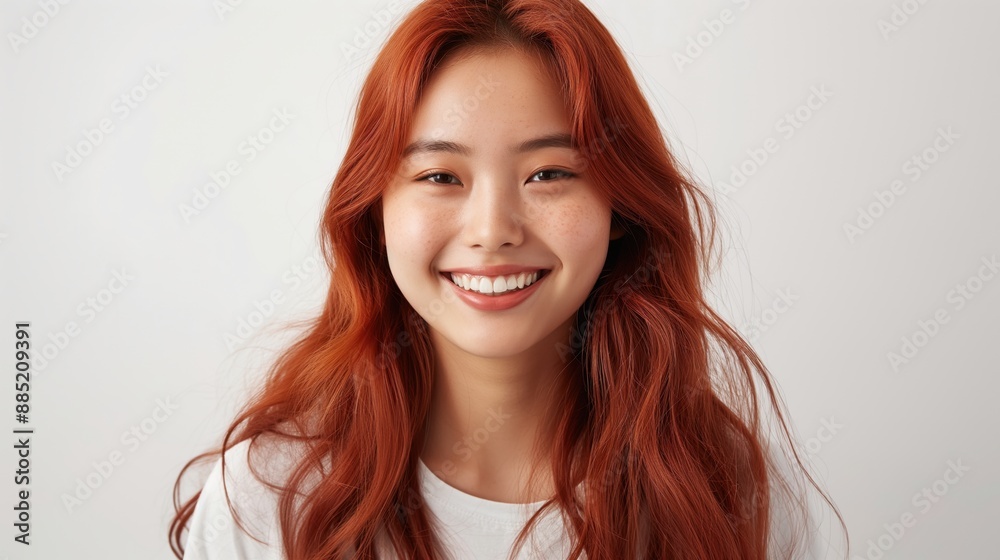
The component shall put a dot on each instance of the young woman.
(515, 358)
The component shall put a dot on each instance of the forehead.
(491, 99)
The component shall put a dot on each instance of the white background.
(877, 434)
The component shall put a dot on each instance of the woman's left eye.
(562, 172)
(429, 175)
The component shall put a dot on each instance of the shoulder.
(241, 487)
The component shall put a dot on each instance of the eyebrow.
(555, 140)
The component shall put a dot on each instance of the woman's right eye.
(429, 175)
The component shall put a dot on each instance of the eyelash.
(565, 174)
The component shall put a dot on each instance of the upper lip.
(495, 270)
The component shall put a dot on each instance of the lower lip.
(494, 303)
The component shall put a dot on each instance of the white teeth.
(499, 285)
(496, 285)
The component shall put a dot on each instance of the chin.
(486, 344)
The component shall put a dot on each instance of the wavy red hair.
(664, 421)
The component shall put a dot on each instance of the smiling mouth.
(494, 285)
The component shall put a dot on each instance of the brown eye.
(559, 173)
(429, 175)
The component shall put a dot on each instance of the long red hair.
(664, 422)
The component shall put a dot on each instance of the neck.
(491, 420)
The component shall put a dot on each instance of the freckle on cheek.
(582, 229)
(575, 221)
(415, 234)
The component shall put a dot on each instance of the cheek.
(582, 226)
(413, 231)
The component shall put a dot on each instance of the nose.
(493, 216)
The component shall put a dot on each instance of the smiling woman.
(563, 381)
(460, 205)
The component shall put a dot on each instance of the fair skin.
(495, 371)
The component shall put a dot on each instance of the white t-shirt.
(471, 528)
